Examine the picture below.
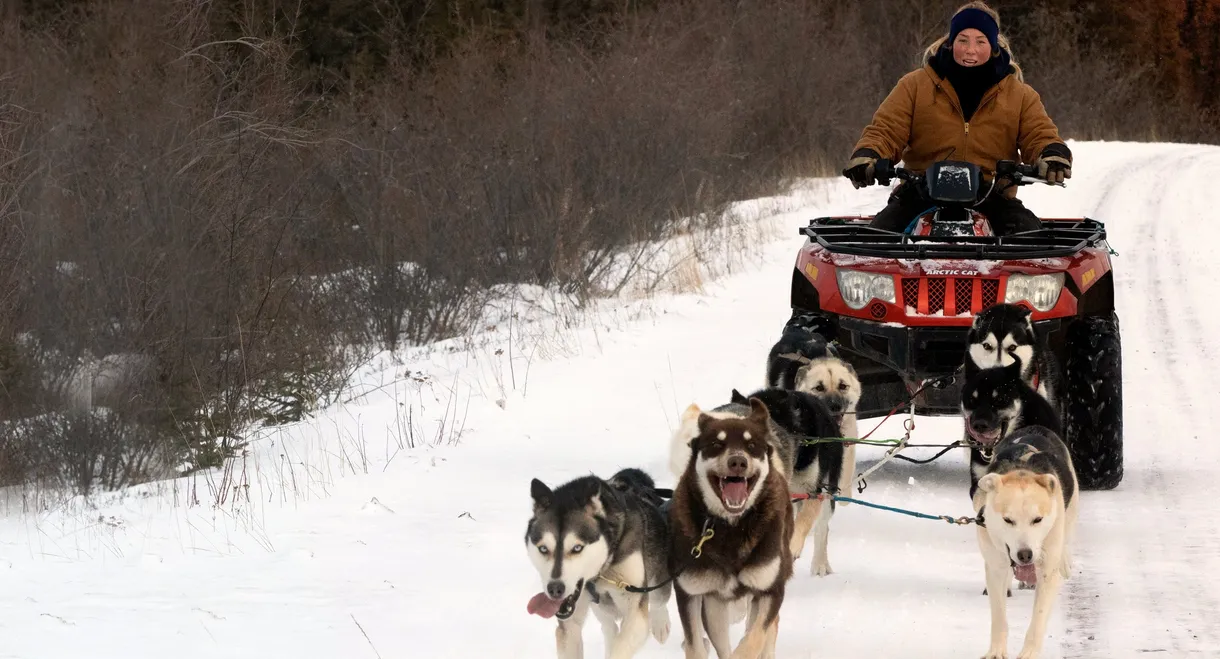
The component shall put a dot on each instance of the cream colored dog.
(1028, 506)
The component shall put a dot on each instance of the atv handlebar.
(885, 170)
(1009, 169)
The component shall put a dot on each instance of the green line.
(831, 440)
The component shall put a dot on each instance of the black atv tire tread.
(1092, 401)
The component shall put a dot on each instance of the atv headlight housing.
(1041, 291)
(859, 288)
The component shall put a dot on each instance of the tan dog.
(835, 382)
(1028, 506)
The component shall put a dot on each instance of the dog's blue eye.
(1010, 522)
(577, 548)
(543, 550)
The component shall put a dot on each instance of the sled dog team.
(724, 543)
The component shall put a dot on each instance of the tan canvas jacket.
(921, 121)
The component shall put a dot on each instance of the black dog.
(996, 402)
(798, 345)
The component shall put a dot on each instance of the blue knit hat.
(979, 20)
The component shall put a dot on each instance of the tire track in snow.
(1107, 620)
(1184, 285)
(1168, 281)
(1083, 607)
(1179, 318)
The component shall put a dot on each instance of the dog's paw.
(1027, 653)
(660, 626)
(1021, 585)
(996, 654)
(821, 568)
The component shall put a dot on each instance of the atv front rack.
(1055, 238)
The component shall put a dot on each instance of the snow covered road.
(419, 553)
(1150, 550)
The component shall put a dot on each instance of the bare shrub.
(203, 222)
(162, 226)
(537, 163)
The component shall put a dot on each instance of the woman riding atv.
(967, 102)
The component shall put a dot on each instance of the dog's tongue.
(543, 606)
(1027, 573)
(735, 492)
(985, 440)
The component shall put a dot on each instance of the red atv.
(899, 305)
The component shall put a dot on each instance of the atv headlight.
(857, 288)
(1041, 291)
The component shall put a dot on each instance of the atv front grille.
(910, 290)
(948, 296)
(991, 291)
(936, 293)
(963, 290)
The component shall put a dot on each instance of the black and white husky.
(1027, 503)
(997, 402)
(1002, 335)
(594, 542)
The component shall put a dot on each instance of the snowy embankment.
(391, 524)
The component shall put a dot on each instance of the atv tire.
(1093, 400)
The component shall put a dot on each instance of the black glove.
(862, 168)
